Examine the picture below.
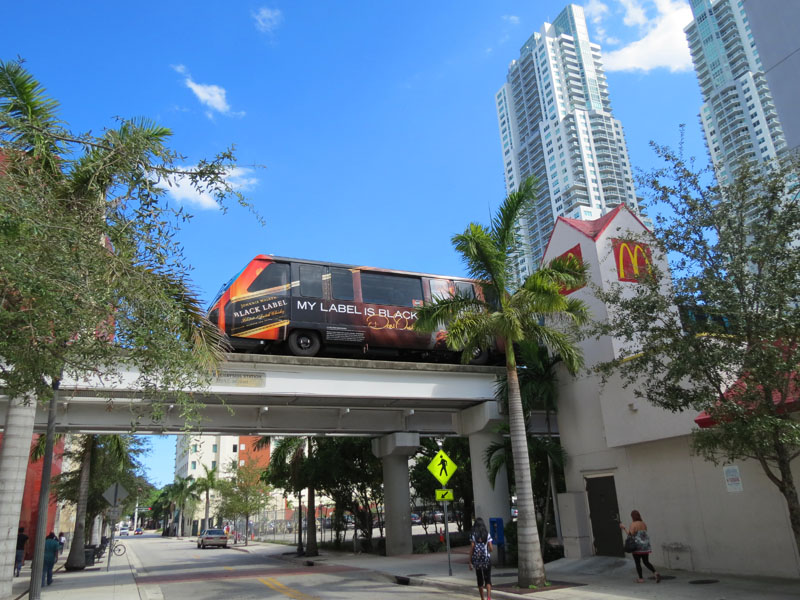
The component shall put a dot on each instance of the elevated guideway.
(272, 395)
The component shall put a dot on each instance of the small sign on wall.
(733, 479)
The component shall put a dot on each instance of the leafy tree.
(291, 468)
(205, 485)
(351, 475)
(732, 347)
(102, 461)
(91, 270)
(506, 316)
(242, 493)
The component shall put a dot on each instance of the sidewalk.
(93, 583)
(593, 578)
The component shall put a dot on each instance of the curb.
(377, 575)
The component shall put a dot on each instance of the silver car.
(212, 537)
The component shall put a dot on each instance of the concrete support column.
(394, 450)
(14, 453)
(478, 423)
(489, 501)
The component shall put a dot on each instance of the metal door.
(604, 515)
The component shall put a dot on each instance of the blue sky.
(366, 131)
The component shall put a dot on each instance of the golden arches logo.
(638, 257)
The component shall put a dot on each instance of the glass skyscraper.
(555, 120)
(738, 115)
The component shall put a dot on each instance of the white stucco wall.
(694, 521)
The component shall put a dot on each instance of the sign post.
(442, 468)
(114, 495)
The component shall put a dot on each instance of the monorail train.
(309, 305)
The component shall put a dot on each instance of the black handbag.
(630, 543)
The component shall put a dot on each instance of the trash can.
(88, 552)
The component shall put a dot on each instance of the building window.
(241, 463)
(235, 447)
(194, 465)
(194, 447)
(214, 448)
(241, 447)
(213, 464)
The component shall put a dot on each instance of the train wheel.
(304, 343)
(479, 357)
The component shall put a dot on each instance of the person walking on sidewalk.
(638, 530)
(50, 556)
(19, 559)
(480, 556)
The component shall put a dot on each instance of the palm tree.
(538, 384)
(183, 491)
(291, 466)
(506, 317)
(205, 485)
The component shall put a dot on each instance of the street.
(175, 569)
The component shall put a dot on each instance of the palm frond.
(508, 213)
(28, 116)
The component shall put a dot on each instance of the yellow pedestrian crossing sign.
(444, 495)
(442, 467)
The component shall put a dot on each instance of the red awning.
(790, 404)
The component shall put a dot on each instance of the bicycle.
(119, 548)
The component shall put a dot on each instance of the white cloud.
(267, 19)
(634, 12)
(595, 10)
(513, 19)
(210, 95)
(182, 191)
(662, 43)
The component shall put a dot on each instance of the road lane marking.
(228, 568)
(286, 591)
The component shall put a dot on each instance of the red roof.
(591, 229)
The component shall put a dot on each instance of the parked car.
(212, 537)
(138, 531)
(416, 519)
(124, 530)
(514, 512)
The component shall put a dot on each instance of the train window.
(465, 289)
(440, 288)
(342, 284)
(274, 275)
(381, 288)
(311, 281)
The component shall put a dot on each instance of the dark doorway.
(604, 515)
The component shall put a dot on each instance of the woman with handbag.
(639, 543)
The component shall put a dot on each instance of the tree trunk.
(311, 524)
(14, 453)
(76, 561)
(35, 589)
(208, 509)
(789, 490)
(531, 564)
(246, 529)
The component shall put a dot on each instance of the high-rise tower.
(556, 123)
(738, 115)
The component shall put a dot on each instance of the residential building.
(556, 123)
(738, 114)
(214, 451)
(774, 29)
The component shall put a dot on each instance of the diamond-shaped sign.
(442, 467)
(115, 494)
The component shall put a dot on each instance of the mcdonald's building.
(625, 454)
